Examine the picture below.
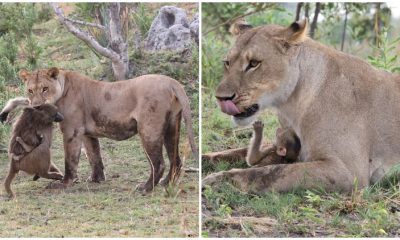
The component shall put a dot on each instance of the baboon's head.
(42, 86)
(46, 114)
(287, 143)
(261, 69)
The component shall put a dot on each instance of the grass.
(371, 212)
(112, 208)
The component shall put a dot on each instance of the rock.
(194, 28)
(169, 30)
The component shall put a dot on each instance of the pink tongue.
(228, 107)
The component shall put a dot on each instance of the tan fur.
(285, 150)
(30, 142)
(151, 105)
(345, 112)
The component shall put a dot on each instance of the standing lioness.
(345, 112)
(151, 105)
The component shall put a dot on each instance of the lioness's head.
(260, 70)
(42, 86)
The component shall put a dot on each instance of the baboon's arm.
(254, 153)
(25, 146)
(11, 105)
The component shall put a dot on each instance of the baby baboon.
(285, 150)
(29, 149)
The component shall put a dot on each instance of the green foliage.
(44, 12)
(220, 14)
(7, 71)
(18, 18)
(386, 57)
(142, 19)
(32, 51)
(9, 47)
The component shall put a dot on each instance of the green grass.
(110, 209)
(371, 212)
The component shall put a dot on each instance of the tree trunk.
(307, 10)
(344, 27)
(298, 11)
(377, 24)
(118, 44)
(315, 19)
(118, 51)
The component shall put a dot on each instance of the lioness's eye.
(30, 91)
(45, 89)
(253, 64)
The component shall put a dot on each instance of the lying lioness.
(151, 105)
(345, 112)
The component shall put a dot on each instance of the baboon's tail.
(187, 115)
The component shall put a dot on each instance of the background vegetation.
(31, 37)
(365, 30)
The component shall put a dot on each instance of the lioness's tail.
(187, 115)
(11, 105)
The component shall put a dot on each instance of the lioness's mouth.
(248, 112)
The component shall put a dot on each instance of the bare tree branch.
(298, 11)
(84, 36)
(86, 23)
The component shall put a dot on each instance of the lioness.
(151, 105)
(345, 112)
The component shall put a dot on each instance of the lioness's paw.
(214, 179)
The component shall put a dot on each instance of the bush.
(386, 57)
(8, 47)
(32, 51)
(7, 71)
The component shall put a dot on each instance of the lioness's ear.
(53, 72)
(297, 32)
(23, 74)
(239, 26)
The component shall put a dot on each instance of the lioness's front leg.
(72, 151)
(330, 175)
(92, 147)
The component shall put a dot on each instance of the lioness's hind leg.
(171, 142)
(153, 151)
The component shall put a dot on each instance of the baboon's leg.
(331, 175)
(72, 150)
(171, 142)
(153, 150)
(10, 176)
(92, 147)
(52, 175)
(231, 155)
(25, 146)
(16, 157)
(54, 168)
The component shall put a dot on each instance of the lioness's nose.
(224, 98)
